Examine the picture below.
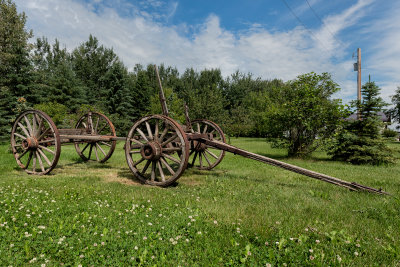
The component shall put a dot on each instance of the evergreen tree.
(15, 66)
(360, 142)
(55, 79)
(91, 63)
(395, 111)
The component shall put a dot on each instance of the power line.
(320, 19)
(304, 25)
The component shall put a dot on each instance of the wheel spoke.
(85, 147)
(153, 171)
(198, 128)
(102, 151)
(97, 124)
(156, 131)
(136, 141)
(95, 152)
(104, 143)
(163, 161)
(146, 166)
(22, 154)
(212, 154)
(23, 129)
(172, 138)
(44, 156)
(39, 128)
(208, 161)
(20, 136)
(149, 130)
(171, 158)
(164, 133)
(47, 149)
(138, 162)
(142, 134)
(200, 160)
(194, 158)
(34, 163)
(102, 128)
(161, 171)
(205, 129)
(29, 160)
(47, 141)
(43, 134)
(40, 161)
(90, 151)
(29, 126)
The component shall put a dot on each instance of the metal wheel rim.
(208, 159)
(101, 151)
(35, 142)
(173, 156)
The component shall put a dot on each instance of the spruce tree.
(15, 66)
(360, 141)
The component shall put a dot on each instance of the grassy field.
(242, 212)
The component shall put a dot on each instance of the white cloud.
(145, 39)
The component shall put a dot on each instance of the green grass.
(242, 212)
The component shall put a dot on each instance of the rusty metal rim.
(57, 143)
(113, 143)
(221, 133)
(185, 150)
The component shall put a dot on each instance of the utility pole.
(359, 80)
(357, 67)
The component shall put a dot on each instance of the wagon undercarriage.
(157, 148)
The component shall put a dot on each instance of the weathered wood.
(329, 179)
(72, 131)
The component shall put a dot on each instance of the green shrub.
(389, 133)
(57, 112)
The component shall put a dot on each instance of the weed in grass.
(241, 213)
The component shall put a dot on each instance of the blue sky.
(260, 37)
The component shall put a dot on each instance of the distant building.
(382, 115)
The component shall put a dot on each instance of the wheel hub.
(151, 151)
(30, 143)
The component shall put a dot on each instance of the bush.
(57, 112)
(389, 133)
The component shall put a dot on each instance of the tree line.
(299, 114)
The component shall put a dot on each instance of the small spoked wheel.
(202, 156)
(95, 123)
(157, 150)
(35, 142)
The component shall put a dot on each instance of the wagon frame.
(157, 148)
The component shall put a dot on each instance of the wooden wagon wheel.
(35, 142)
(202, 156)
(157, 150)
(95, 123)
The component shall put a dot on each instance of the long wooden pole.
(162, 96)
(322, 177)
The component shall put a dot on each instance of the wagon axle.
(157, 148)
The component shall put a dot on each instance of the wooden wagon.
(157, 148)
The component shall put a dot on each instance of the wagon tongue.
(329, 179)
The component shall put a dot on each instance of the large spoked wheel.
(35, 142)
(95, 123)
(202, 156)
(157, 150)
